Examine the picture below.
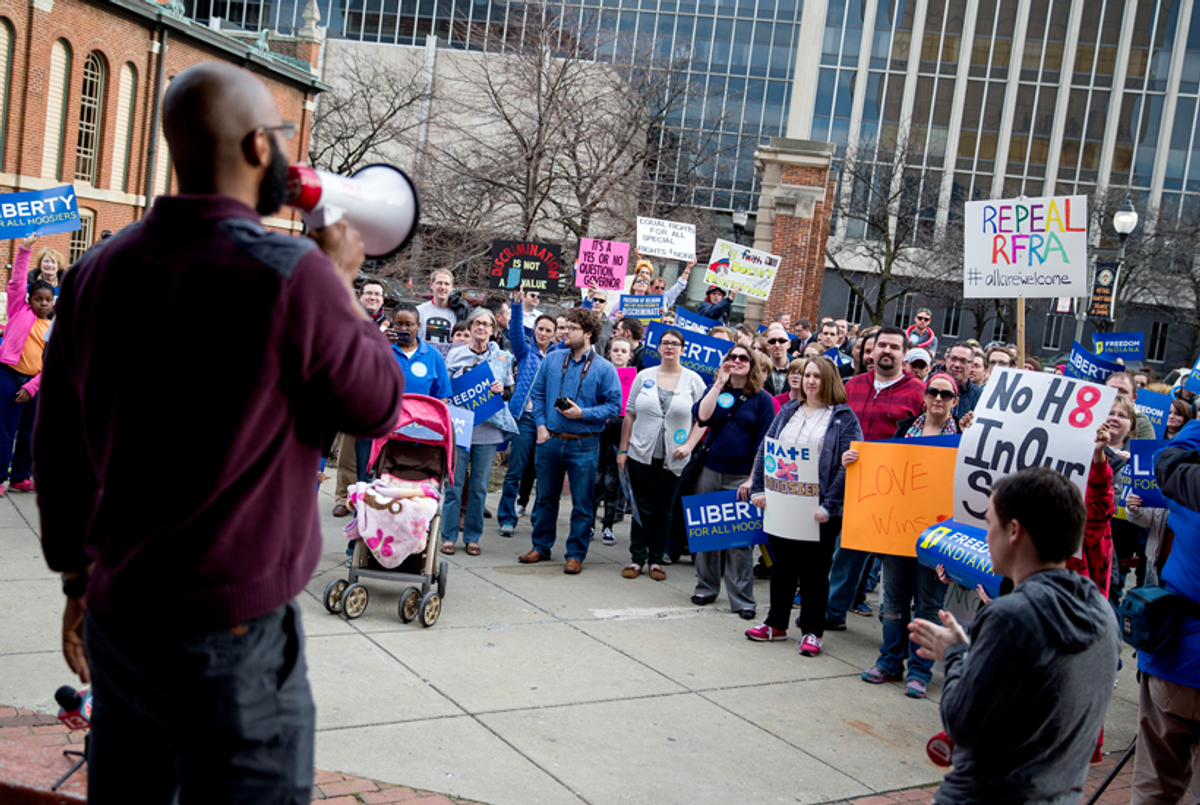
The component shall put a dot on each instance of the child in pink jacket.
(21, 368)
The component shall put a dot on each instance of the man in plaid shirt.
(880, 399)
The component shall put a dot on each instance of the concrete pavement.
(537, 687)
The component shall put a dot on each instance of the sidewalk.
(538, 688)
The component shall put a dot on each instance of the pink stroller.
(420, 449)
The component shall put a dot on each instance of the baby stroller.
(420, 451)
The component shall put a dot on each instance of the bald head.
(213, 114)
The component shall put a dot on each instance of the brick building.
(80, 85)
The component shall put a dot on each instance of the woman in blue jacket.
(529, 355)
(819, 416)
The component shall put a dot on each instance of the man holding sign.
(802, 549)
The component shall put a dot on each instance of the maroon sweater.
(197, 365)
(879, 413)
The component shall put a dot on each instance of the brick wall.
(800, 241)
(118, 38)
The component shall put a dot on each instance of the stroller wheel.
(333, 595)
(410, 602)
(354, 601)
(431, 607)
(443, 571)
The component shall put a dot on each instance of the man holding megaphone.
(193, 642)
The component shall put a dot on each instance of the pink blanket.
(392, 522)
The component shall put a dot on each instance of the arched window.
(126, 104)
(56, 109)
(6, 46)
(91, 105)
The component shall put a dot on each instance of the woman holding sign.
(908, 585)
(737, 413)
(486, 436)
(818, 416)
(655, 449)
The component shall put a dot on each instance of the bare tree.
(372, 106)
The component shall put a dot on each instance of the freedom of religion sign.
(1033, 248)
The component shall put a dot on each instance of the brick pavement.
(31, 744)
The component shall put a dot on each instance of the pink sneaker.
(809, 645)
(22, 486)
(765, 634)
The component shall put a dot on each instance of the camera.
(402, 337)
(563, 403)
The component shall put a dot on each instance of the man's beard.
(273, 189)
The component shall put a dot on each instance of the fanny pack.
(1151, 617)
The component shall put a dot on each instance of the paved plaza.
(537, 687)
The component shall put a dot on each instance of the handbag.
(1150, 617)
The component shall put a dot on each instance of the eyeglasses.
(778, 341)
(570, 328)
(286, 129)
(740, 358)
(945, 394)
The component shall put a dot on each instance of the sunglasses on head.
(945, 394)
(741, 357)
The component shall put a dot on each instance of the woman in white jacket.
(655, 449)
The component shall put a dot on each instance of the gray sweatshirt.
(1025, 702)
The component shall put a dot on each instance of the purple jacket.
(20, 318)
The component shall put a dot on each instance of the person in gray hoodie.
(1026, 695)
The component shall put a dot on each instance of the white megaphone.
(378, 200)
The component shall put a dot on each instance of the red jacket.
(879, 413)
(1096, 562)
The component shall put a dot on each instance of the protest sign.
(603, 262)
(1156, 407)
(962, 550)
(962, 603)
(645, 308)
(1031, 247)
(689, 322)
(893, 493)
(39, 212)
(627, 488)
(464, 422)
(659, 238)
(473, 391)
(627, 375)
(1129, 346)
(790, 481)
(1137, 476)
(1086, 366)
(718, 521)
(742, 269)
(702, 354)
(1027, 419)
(1104, 285)
(536, 266)
(946, 440)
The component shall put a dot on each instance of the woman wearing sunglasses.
(818, 416)
(655, 449)
(908, 586)
(737, 413)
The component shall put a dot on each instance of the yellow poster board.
(893, 493)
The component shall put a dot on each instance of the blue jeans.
(479, 461)
(578, 461)
(16, 427)
(845, 577)
(217, 715)
(523, 445)
(908, 587)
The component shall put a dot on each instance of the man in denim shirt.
(575, 392)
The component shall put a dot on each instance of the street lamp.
(740, 217)
(1125, 220)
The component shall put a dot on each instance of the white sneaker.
(608, 538)
(520, 511)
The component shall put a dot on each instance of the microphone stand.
(78, 764)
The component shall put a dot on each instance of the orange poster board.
(893, 493)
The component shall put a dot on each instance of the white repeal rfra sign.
(1027, 419)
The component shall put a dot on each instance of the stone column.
(794, 207)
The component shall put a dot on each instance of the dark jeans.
(846, 579)
(204, 716)
(527, 482)
(16, 427)
(908, 587)
(808, 563)
(608, 487)
(576, 460)
(648, 541)
(520, 463)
